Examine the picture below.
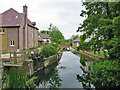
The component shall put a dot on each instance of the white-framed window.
(12, 43)
(2, 31)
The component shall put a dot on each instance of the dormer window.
(16, 17)
(2, 31)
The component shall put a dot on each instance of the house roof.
(44, 36)
(12, 18)
(40, 39)
(76, 40)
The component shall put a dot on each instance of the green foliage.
(105, 74)
(57, 46)
(35, 47)
(73, 37)
(84, 46)
(48, 50)
(82, 60)
(5, 52)
(31, 82)
(55, 34)
(16, 78)
(102, 24)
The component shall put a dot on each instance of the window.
(16, 17)
(12, 43)
(2, 31)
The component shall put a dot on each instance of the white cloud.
(62, 13)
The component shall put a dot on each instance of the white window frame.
(2, 31)
(12, 43)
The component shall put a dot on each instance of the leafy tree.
(55, 34)
(105, 74)
(73, 37)
(102, 24)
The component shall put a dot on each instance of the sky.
(65, 14)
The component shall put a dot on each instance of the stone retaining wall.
(33, 66)
(52, 59)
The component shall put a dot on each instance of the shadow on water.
(85, 77)
(48, 77)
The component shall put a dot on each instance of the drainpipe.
(18, 38)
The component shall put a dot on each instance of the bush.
(105, 74)
(48, 50)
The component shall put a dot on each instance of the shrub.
(48, 50)
(105, 73)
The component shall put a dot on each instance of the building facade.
(17, 31)
(45, 37)
(75, 43)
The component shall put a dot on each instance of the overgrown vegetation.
(105, 74)
(102, 26)
(48, 50)
(16, 78)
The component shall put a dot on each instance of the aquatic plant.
(16, 78)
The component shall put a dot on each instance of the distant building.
(75, 43)
(17, 31)
(45, 37)
(40, 41)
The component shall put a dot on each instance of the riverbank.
(62, 74)
(88, 54)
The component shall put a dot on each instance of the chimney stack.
(25, 12)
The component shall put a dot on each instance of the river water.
(62, 74)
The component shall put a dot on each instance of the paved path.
(5, 55)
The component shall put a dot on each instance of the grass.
(5, 52)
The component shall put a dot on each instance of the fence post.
(24, 54)
(15, 57)
(10, 58)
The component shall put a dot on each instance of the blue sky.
(65, 14)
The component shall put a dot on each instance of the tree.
(103, 24)
(73, 37)
(55, 34)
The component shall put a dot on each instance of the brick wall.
(12, 34)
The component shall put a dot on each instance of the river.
(62, 74)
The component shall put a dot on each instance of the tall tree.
(103, 26)
(55, 34)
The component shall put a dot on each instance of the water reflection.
(48, 77)
(65, 74)
(85, 77)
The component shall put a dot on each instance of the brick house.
(17, 31)
(45, 37)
